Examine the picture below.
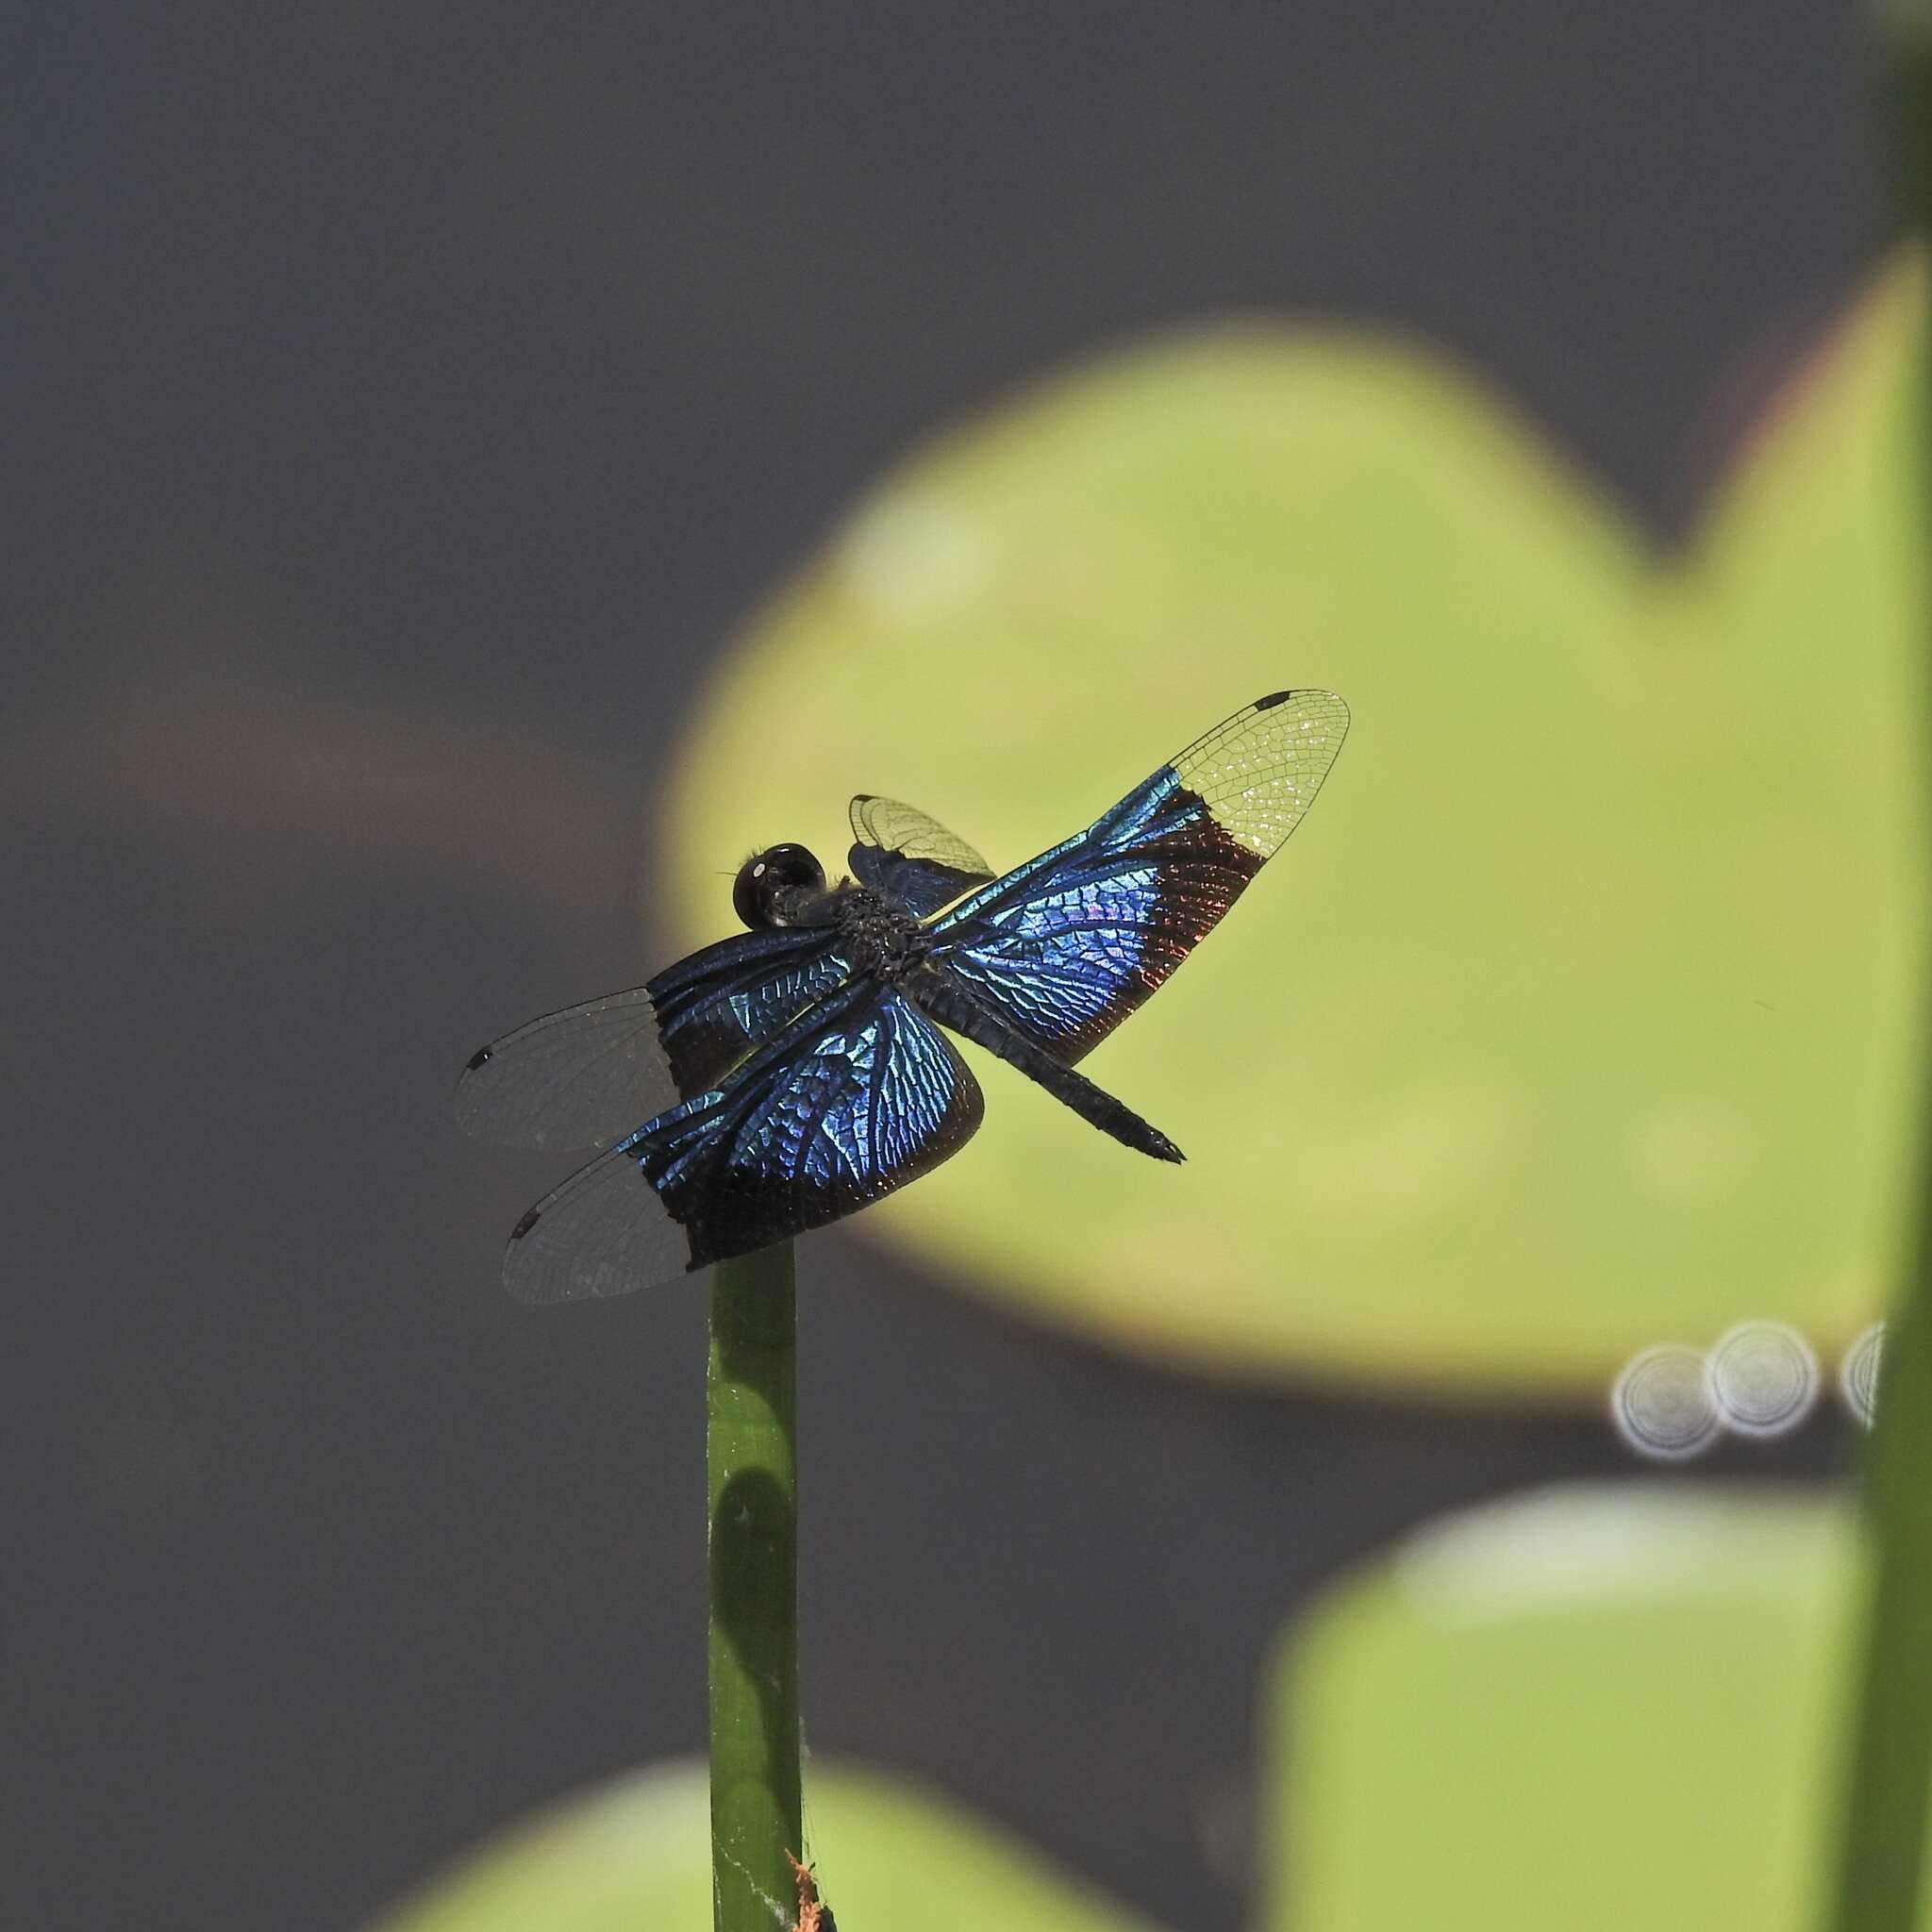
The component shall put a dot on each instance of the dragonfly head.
(781, 886)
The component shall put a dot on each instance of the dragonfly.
(801, 1070)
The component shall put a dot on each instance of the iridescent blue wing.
(875, 1097)
(858, 1097)
(1068, 944)
(714, 1013)
(586, 1076)
(909, 858)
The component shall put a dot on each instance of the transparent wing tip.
(1308, 699)
(578, 1078)
(605, 1232)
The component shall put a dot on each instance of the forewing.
(910, 858)
(1070, 943)
(874, 1096)
(715, 1013)
(588, 1076)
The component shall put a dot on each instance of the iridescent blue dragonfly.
(798, 1073)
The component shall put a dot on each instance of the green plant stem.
(1881, 1853)
(752, 1467)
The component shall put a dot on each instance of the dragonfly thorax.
(881, 941)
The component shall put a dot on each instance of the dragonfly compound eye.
(766, 877)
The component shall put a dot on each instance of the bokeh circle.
(1763, 1378)
(1858, 1375)
(1661, 1403)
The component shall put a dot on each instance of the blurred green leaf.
(638, 1853)
(1577, 1017)
(1595, 1708)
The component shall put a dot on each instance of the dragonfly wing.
(859, 1097)
(874, 1096)
(910, 858)
(1070, 943)
(586, 1076)
(715, 1013)
(602, 1232)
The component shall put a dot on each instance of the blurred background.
(471, 476)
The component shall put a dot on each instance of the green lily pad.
(1595, 1707)
(1578, 1015)
(639, 1852)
